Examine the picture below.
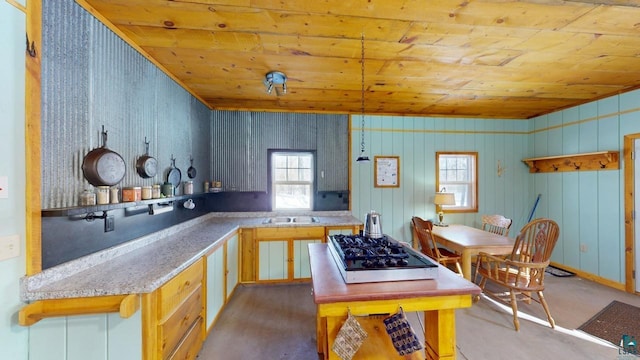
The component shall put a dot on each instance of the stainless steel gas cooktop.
(362, 259)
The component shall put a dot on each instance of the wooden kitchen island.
(438, 299)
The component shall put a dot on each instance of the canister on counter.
(206, 186)
(102, 195)
(131, 194)
(155, 191)
(146, 192)
(167, 189)
(187, 187)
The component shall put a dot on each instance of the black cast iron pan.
(103, 167)
(191, 172)
(174, 176)
(147, 166)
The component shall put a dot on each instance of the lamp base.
(440, 224)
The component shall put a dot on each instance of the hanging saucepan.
(174, 176)
(147, 166)
(191, 172)
(103, 167)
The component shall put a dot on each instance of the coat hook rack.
(601, 160)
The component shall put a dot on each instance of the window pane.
(292, 196)
(280, 174)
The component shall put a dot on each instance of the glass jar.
(146, 192)
(102, 195)
(155, 191)
(187, 187)
(113, 197)
(167, 189)
(87, 198)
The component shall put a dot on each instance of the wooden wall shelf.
(602, 160)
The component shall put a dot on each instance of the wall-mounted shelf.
(601, 160)
(81, 210)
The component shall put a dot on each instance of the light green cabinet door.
(273, 259)
(232, 264)
(215, 285)
(301, 266)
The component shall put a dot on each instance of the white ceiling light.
(276, 78)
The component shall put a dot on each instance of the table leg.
(440, 334)
(466, 264)
(321, 334)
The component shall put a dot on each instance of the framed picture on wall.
(386, 171)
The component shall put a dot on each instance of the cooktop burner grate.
(364, 259)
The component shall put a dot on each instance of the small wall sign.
(386, 171)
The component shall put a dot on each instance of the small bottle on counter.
(206, 186)
(87, 198)
(102, 195)
(113, 196)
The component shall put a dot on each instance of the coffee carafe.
(372, 225)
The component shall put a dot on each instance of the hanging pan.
(191, 172)
(174, 176)
(147, 166)
(103, 167)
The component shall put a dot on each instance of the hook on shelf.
(577, 165)
(602, 166)
(555, 167)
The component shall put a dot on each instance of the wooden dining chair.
(522, 272)
(496, 224)
(428, 246)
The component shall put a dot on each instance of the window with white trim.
(457, 172)
(292, 180)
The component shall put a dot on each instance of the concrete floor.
(278, 322)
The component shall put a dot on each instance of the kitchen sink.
(291, 219)
(305, 219)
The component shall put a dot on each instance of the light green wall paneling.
(13, 338)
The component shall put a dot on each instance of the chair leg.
(546, 309)
(460, 269)
(514, 308)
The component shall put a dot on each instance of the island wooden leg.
(321, 334)
(440, 334)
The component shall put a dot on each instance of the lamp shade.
(443, 198)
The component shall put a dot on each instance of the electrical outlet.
(9, 247)
(4, 187)
(109, 223)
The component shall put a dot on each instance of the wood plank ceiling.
(491, 58)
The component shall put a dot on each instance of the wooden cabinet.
(221, 277)
(172, 316)
(282, 252)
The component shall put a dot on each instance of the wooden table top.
(470, 237)
(329, 286)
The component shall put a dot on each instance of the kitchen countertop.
(144, 264)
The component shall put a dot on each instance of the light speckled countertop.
(144, 264)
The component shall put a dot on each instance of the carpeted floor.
(613, 322)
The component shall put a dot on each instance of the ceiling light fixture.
(275, 78)
(363, 157)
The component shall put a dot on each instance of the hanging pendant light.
(363, 157)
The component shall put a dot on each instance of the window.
(457, 172)
(292, 180)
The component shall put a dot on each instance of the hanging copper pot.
(103, 167)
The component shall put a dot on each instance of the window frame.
(473, 184)
(273, 183)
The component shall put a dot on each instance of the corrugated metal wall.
(93, 78)
(240, 141)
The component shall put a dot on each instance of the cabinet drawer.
(176, 290)
(190, 345)
(290, 233)
(173, 330)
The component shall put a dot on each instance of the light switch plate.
(4, 187)
(9, 247)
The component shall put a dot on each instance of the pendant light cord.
(362, 156)
(362, 92)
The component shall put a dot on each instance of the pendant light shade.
(363, 157)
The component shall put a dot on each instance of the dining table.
(469, 241)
